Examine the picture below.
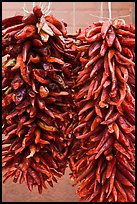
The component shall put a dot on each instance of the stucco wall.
(76, 14)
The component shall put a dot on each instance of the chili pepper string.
(110, 13)
(45, 9)
(101, 10)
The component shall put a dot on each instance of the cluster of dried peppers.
(36, 99)
(102, 157)
(69, 97)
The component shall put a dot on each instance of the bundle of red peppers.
(69, 100)
(102, 157)
(36, 99)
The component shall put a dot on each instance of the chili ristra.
(36, 99)
(104, 128)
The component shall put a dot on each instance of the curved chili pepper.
(59, 24)
(123, 179)
(104, 147)
(121, 149)
(37, 42)
(54, 29)
(110, 37)
(112, 70)
(111, 119)
(91, 61)
(36, 59)
(26, 32)
(7, 100)
(126, 60)
(96, 67)
(117, 44)
(105, 27)
(46, 127)
(125, 32)
(104, 47)
(120, 188)
(93, 31)
(126, 41)
(98, 169)
(40, 79)
(34, 175)
(12, 28)
(94, 48)
(18, 62)
(95, 37)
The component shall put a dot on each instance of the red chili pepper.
(110, 166)
(98, 169)
(112, 118)
(26, 32)
(125, 33)
(59, 24)
(42, 170)
(54, 29)
(96, 67)
(10, 174)
(125, 59)
(105, 147)
(117, 44)
(94, 49)
(34, 175)
(93, 31)
(126, 41)
(17, 174)
(86, 172)
(110, 37)
(104, 48)
(10, 21)
(106, 135)
(12, 28)
(95, 37)
(130, 195)
(105, 27)
(121, 189)
(95, 123)
(25, 50)
(40, 79)
(7, 100)
(13, 114)
(36, 59)
(86, 107)
(123, 179)
(102, 194)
